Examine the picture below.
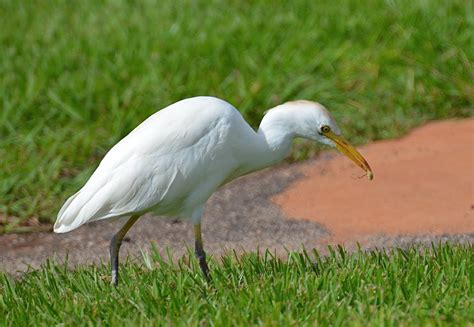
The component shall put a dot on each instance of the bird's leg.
(115, 244)
(199, 250)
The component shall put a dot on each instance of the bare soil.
(422, 192)
(424, 183)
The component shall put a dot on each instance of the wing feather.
(140, 172)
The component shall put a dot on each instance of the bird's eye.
(325, 129)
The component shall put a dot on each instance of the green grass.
(76, 76)
(417, 286)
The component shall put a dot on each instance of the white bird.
(178, 157)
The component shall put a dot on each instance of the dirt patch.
(423, 184)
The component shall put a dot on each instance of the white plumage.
(173, 162)
(169, 164)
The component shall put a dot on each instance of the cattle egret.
(173, 162)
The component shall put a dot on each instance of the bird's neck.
(272, 145)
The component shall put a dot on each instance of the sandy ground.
(424, 183)
(422, 192)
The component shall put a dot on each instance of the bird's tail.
(67, 219)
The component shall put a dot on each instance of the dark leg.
(115, 247)
(199, 250)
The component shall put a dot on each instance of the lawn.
(76, 76)
(411, 287)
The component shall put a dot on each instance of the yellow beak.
(349, 151)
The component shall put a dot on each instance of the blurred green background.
(76, 76)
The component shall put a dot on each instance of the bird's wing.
(129, 188)
(141, 171)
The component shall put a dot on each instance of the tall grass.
(403, 287)
(76, 76)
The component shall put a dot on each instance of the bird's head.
(313, 121)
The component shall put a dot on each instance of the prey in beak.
(348, 150)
